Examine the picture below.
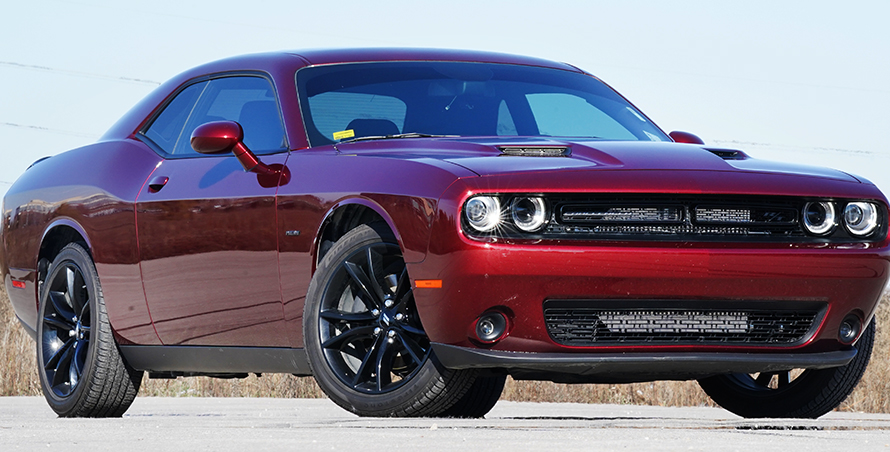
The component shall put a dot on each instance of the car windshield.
(344, 102)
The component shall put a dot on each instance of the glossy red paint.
(685, 137)
(523, 274)
(41, 209)
(227, 136)
(193, 250)
(209, 255)
(217, 138)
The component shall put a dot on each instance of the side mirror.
(685, 137)
(220, 137)
(217, 137)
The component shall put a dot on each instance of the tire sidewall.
(76, 255)
(811, 396)
(386, 404)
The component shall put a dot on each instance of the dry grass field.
(18, 376)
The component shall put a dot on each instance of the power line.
(47, 129)
(798, 148)
(78, 73)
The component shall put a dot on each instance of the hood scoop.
(728, 154)
(536, 151)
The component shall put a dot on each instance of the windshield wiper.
(398, 135)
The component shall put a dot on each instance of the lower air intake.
(572, 323)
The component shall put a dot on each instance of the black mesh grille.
(571, 323)
(669, 218)
(694, 216)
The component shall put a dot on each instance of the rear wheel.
(81, 371)
(791, 394)
(363, 336)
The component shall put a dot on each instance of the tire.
(366, 346)
(81, 371)
(793, 394)
(479, 399)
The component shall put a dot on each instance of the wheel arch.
(59, 233)
(344, 217)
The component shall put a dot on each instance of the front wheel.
(363, 336)
(81, 371)
(479, 399)
(791, 394)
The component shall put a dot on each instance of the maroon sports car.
(413, 226)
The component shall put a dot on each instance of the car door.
(206, 228)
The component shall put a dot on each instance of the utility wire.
(799, 148)
(47, 129)
(78, 73)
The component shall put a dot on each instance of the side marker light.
(428, 283)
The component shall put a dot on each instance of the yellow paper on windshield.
(344, 134)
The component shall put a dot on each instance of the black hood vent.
(728, 154)
(536, 151)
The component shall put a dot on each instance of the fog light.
(849, 329)
(491, 326)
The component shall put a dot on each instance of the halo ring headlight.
(861, 218)
(483, 213)
(529, 213)
(819, 218)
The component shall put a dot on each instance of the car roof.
(282, 65)
(334, 56)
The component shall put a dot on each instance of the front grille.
(654, 216)
(598, 323)
(659, 217)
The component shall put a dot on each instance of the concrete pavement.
(197, 424)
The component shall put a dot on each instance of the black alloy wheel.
(364, 338)
(81, 371)
(368, 326)
(798, 393)
(65, 338)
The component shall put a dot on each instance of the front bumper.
(517, 277)
(632, 367)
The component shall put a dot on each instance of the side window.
(167, 127)
(563, 114)
(246, 99)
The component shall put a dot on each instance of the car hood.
(489, 158)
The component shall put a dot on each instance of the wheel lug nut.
(388, 303)
(377, 331)
(400, 316)
(72, 333)
(391, 333)
(375, 312)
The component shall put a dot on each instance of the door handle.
(157, 184)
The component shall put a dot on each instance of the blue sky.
(792, 81)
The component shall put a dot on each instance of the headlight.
(861, 218)
(529, 214)
(483, 213)
(819, 217)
